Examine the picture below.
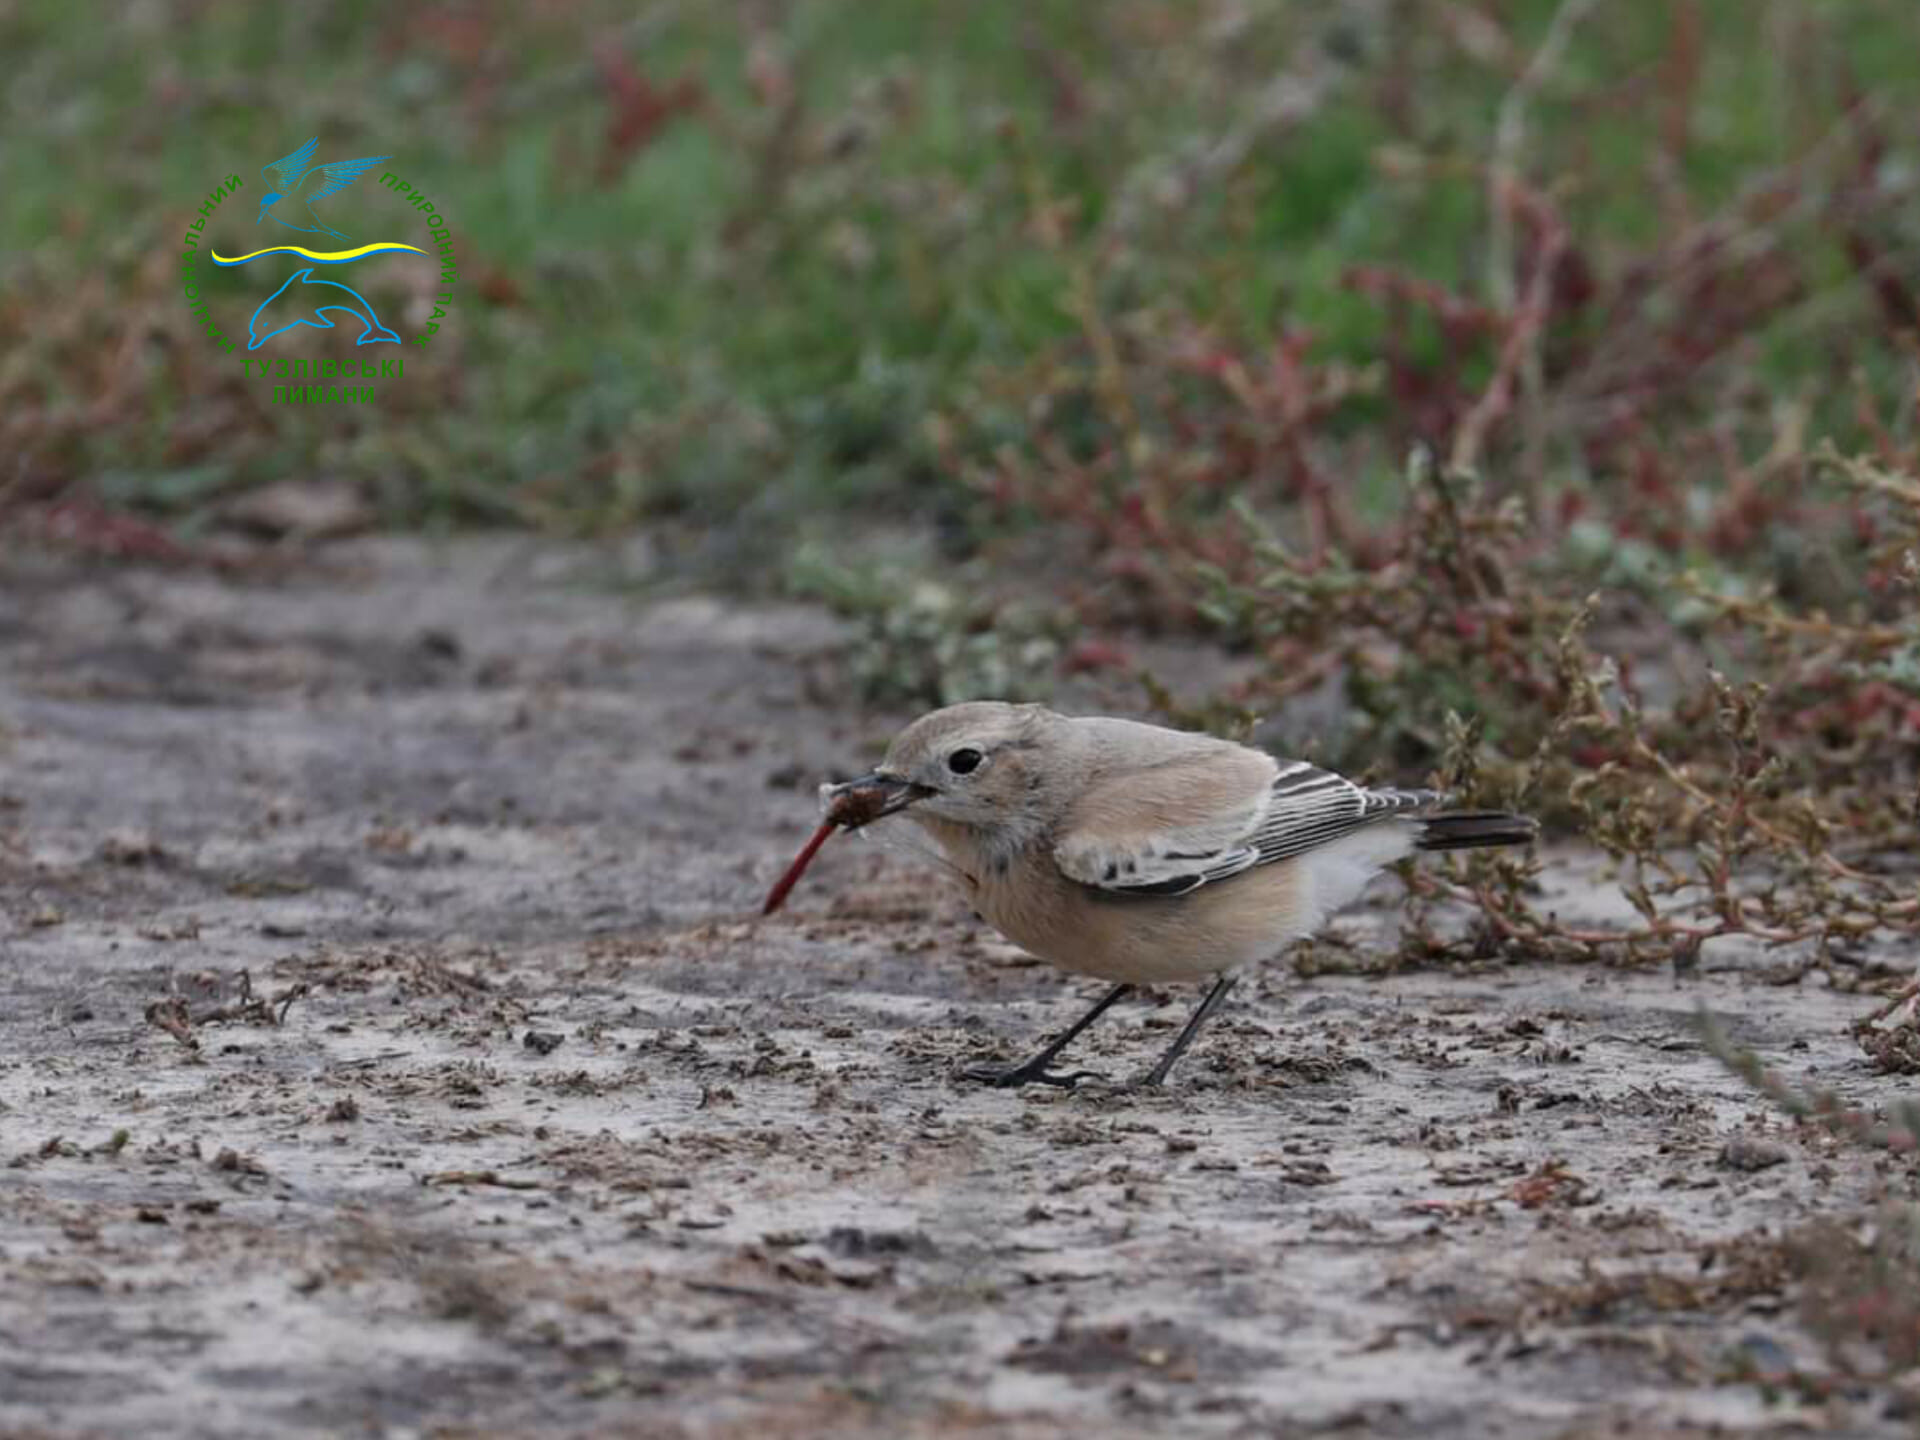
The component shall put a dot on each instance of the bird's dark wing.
(342, 173)
(1312, 806)
(1308, 807)
(285, 172)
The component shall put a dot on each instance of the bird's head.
(975, 765)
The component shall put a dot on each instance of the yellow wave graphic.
(323, 257)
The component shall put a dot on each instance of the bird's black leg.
(1214, 996)
(1035, 1070)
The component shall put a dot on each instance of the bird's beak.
(861, 802)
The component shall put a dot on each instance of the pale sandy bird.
(1142, 855)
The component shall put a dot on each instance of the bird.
(294, 180)
(1143, 855)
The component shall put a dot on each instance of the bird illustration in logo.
(295, 183)
(317, 296)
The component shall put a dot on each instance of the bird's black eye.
(965, 760)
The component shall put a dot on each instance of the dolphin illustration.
(322, 296)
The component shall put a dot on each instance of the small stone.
(1751, 1152)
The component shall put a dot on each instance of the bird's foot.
(1008, 1077)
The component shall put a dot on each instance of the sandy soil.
(518, 1121)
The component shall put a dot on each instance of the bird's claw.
(1010, 1077)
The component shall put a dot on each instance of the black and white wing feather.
(1313, 807)
(1303, 808)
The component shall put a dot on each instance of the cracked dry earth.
(388, 1046)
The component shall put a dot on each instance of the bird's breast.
(1132, 938)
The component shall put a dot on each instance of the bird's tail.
(1470, 829)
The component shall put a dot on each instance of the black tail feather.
(1469, 829)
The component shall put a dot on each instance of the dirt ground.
(519, 1120)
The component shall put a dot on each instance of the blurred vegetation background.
(755, 264)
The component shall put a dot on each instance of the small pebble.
(1750, 1152)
